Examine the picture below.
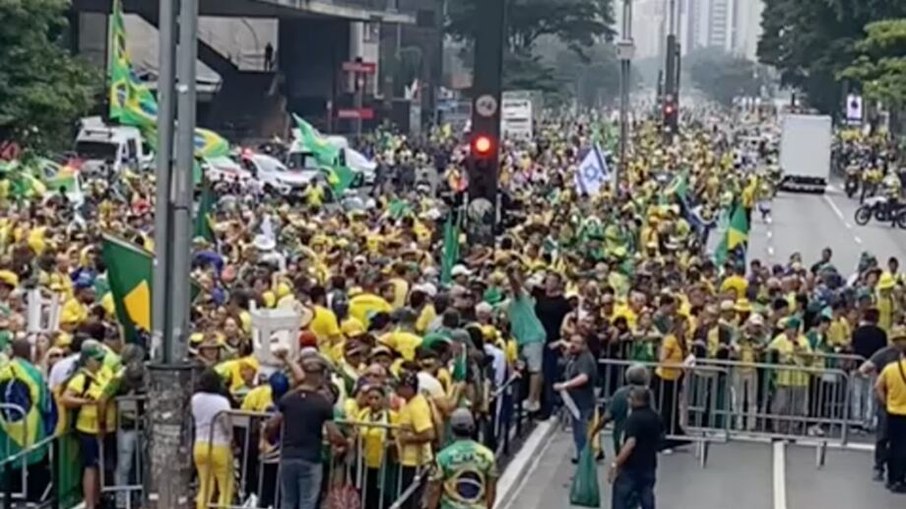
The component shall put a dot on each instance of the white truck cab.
(99, 144)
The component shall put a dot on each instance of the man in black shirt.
(303, 415)
(551, 307)
(633, 471)
(867, 340)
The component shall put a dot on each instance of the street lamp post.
(625, 50)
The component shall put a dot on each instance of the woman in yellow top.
(85, 394)
(374, 423)
(674, 350)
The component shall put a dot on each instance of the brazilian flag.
(129, 273)
(130, 100)
(27, 410)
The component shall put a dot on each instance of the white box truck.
(805, 152)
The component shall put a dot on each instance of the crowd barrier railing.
(14, 474)
(122, 459)
(710, 400)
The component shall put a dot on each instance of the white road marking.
(834, 207)
(857, 239)
(770, 234)
(779, 475)
(770, 251)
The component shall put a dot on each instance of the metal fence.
(816, 400)
(47, 474)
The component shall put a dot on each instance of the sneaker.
(599, 456)
(815, 431)
(897, 488)
(878, 475)
(532, 406)
(667, 452)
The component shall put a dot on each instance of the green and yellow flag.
(131, 102)
(450, 254)
(129, 273)
(736, 236)
(312, 141)
(203, 226)
(29, 414)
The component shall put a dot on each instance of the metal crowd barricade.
(122, 467)
(255, 473)
(692, 406)
(370, 465)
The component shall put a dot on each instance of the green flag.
(130, 100)
(129, 273)
(312, 141)
(737, 235)
(206, 204)
(450, 253)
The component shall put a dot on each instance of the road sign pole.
(625, 49)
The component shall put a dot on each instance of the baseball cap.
(461, 420)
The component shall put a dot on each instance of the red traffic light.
(668, 109)
(482, 145)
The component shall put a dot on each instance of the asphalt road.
(737, 475)
(741, 475)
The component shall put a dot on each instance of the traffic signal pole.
(170, 377)
(671, 75)
(625, 49)
(484, 159)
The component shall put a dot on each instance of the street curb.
(523, 462)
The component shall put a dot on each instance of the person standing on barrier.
(633, 472)
(465, 472)
(891, 389)
(529, 333)
(303, 415)
(212, 451)
(581, 370)
(871, 368)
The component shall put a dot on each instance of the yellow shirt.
(400, 292)
(325, 326)
(886, 308)
(628, 313)
(259, 399)
(892, 376)
(427, 315)
(735, 283)
(403, 342)
(839, 332)
(91, 386)
(416, 416)
(673, 356)
(73, 312)
(364, 305)
(790, 356)
(374, 438)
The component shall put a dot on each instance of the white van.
(99, 144)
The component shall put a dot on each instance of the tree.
(577, 23)
(43, 90)
(811, 42)
(593, 79)
(881, 64)
(722, 76)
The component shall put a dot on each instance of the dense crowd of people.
(404, 352)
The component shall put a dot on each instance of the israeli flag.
(593, 172)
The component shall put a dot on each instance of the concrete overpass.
(312, 40)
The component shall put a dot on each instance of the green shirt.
(524, 323)
(464, 468)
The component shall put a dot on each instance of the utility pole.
(625, 51)
(484, 158)
(671, 115)
(170, 374)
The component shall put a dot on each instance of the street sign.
(516, 114)
(356, 113)
(360, 67)
(486, 105)
(854, 108)
(625, 49)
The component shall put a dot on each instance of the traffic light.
(671, 115)
(483, 146)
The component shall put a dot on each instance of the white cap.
(426, 288)
(460, 270)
